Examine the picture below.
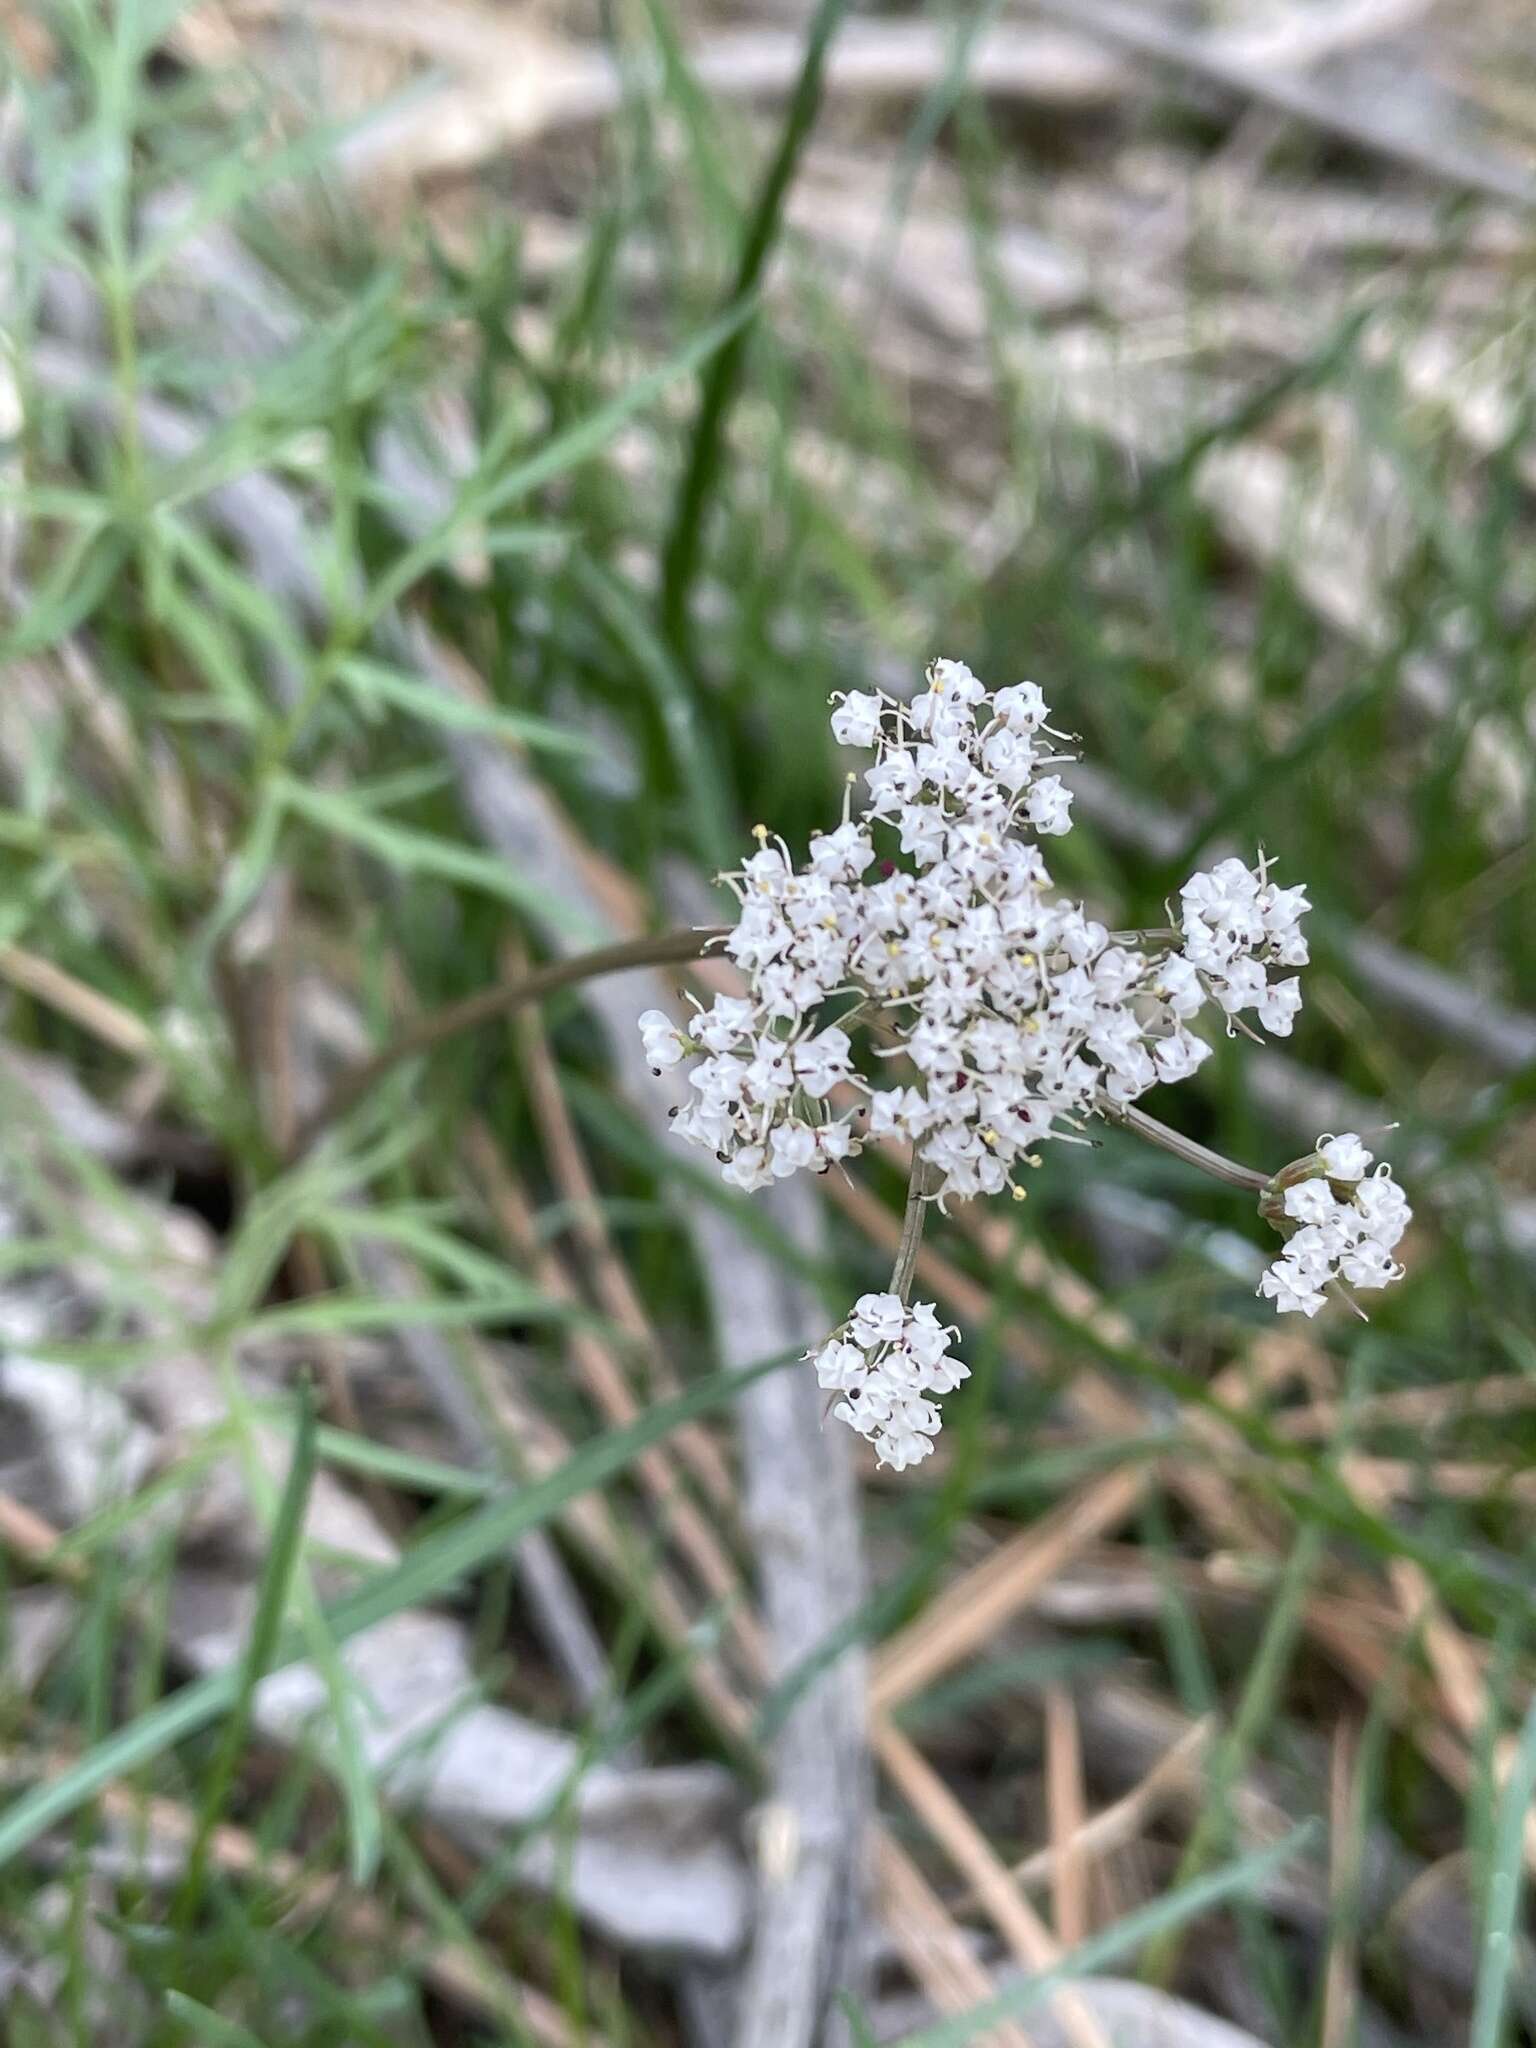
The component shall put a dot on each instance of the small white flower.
(1384, 1207)
(1048, 806)
(1344, 1157)
(791, 1147)
(856, 721)
(747, 1169)
(840, 1366)
(1310, 1201)
(821, 1062)
(1021, 707)
(664, 1044)
(1369, 1264)
(878, 1319)
(1289, 1288)
(723, 1026)
(1278, 1006)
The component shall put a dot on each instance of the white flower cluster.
(1236, 923)
(884, 1361)
(928, 921)
(1344, 1224)
(1016, 1013)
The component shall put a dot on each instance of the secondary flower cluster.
(1341, 1224)
(884, 1361)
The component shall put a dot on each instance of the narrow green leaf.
(375, 682)
(722, 380)
(431, 1569)
(698, 767)
(334, 1314)
(414, 852)
(284, 1545)
(207, 2025)
(1502, 1906)
(486, 493)
(1124, 1938)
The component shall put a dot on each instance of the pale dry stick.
(497, 1187)
(31, 1537)
(934, 1949)
(1341, 1979)
(598, 1532)
(1066, 1811)
(458, 1974)
(973, 1856)
(1457, 1478)
(518, 818)
(1304, 36)
(529, 84)
(72, 998)
(615, 1290)
(446, 1366)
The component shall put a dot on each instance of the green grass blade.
(1175, 1909)
(722, 379)
(1503, 1897)
(424, 1573)
(203, 2024)
(487, 493)
(284, 1546)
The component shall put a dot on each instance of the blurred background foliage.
(447, 457)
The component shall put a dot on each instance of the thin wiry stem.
(501, 999)
(920, 1187)
(1188, 1149)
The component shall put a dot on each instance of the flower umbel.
(1341, 1223)
(883, 1362)
(998, 1013)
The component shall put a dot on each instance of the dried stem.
(501, 999)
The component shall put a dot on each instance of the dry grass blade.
(615, 1290)
(935, 1950)
(977, 1604)
(1114, 1826)
(1341, 1990)
(973, 1857)
(87, 1007)
(1066, 1813)
(499, 1190)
